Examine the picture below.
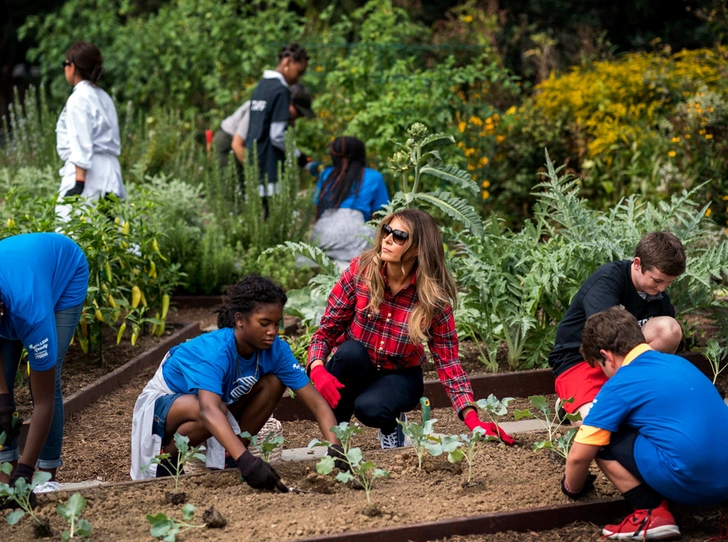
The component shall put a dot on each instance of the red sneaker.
(655, 524)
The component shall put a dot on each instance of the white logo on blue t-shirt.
(242, 386)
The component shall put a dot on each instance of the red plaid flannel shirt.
(385, 334)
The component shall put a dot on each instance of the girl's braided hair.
(245, 296)
(294, 51)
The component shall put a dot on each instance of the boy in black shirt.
(637, 285)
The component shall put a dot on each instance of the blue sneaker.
(395, 439)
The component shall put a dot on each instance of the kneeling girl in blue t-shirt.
(235, 375)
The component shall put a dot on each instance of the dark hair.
(245, 296)
(349, 157)
(293, 51)
(662, 251)
(87, 59)
(615, 330)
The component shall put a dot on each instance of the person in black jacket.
(272, 109)
(637, 285)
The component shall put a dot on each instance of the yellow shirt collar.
(636, 351)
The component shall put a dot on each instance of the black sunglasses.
(398, 236)
(67, 63)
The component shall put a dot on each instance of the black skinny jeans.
(375, 397)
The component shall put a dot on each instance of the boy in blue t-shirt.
(43, 283)
(240, 370)
(658, 430)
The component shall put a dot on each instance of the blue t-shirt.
(682, 448)
(211, 362)
(367, 196)
(40, 274)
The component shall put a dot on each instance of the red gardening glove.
(327, 385)
(472, 421)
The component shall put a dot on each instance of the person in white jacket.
(88, 132)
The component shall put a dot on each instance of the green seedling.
(421, 436)
(716, 355)
(21, 493)
(364, 472)
(494, 408)
(71, 512)
(551, 422)
(267, 446)
(168, 528)
(470, 450)
(185, 453)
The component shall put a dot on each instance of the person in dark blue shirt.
(658, 429)
(347, 194)
(234, 376)
(43, 283)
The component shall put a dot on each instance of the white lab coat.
(87, 135)
(145, 444)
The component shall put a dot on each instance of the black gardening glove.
(340, 462)
(588, 486)
(303, 160)
(258, 474)
(77, 190)
(10, 422)
(21, 471)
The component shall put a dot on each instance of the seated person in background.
(637, 285)
(658, 430)
(347, 195)
(222, 383)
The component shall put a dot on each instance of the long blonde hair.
(435, 287)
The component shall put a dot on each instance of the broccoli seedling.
(71, 512)
(364, 472)
(552, 423)
(22, 493)
(267, 446)
(185, 453)
(470, 442)
(168, 528)
(494, 409)
(716, 354)
(421, 436)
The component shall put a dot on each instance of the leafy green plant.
(494, 408)
(266, 446)
(471, 442)
(185, 453)
(71, 512)
(716, 355)
(552, 423)
(168, 528)
(360, 470)
(22, 494)
(421, 436)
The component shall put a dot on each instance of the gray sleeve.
(278, 134)
(244, 123)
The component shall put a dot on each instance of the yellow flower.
(686, 136)
(469, 152)
(724, 198)
(486, 194)
(675, 140)
(486, 184)
(476, 121)
(708, 136)
(467, 18)
(671, 154)
(707, 212)
(319, 68)
(500, 138)
(511, 110)
(701, 132)
(483, 161)
(471, 167)
(462, 126)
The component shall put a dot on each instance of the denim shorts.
(161, 409)
(621, 450)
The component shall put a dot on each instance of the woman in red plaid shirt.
(389, 301)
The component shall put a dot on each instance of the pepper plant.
(167, 528)
(362, 471)
(552, 423)
(185, 453)
(71, 512)
(266, 446)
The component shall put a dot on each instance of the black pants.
(621, 450)
(375, 397)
